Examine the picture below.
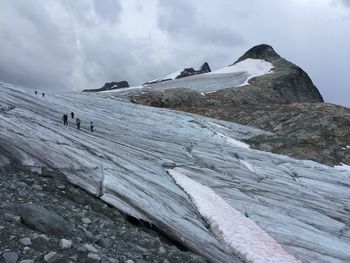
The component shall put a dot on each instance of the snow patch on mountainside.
(246, 238)
(254, 68)
(168, 77)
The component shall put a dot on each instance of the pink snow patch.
(246, 238)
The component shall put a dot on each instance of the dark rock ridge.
(263, 51)
(187, 72)
(110, 86)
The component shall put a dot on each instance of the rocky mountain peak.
(263, 51)
(205, 68)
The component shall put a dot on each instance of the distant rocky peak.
(263, 51)
(110, 86)
(191, 71)
(205, 68)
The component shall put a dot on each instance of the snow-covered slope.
(252, 67)
(235, 75)
(171, 76)
(302, 205)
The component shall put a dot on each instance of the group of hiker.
(65, 117)
(42, 94)
(77, 121)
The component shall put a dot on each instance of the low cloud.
(182, 21)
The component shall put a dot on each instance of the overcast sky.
(76, 44)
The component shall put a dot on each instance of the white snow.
(170, 76)
(122, 89)
(233, 76)
(253, 67)
(232, 141)
(246, 238)
(247, 165)
(343, 167)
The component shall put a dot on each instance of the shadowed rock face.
(288, 83)
(262, 51)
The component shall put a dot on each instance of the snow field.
(246, 238)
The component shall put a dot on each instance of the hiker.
(91, 126)
(78, 123)
(36, 93)
(65, 119)
(72, 114)
(43, 94)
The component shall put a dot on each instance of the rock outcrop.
(288, 83)
(191, 71)
(110, 86)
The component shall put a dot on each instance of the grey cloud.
(41, 44)
(346, 2)
(34, 48)
(109, 10)
(180, 19)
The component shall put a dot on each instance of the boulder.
(43, 220)
(9, 257)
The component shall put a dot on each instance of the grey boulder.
(43, 220)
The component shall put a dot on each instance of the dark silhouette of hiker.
(36, 92)
(43, 94)
(65, 119)
(78, 123)
(72, 114)
(91, 126)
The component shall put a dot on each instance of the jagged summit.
(191, 71)
(262, 51)
(205, 67)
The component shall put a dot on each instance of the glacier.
(301, 204)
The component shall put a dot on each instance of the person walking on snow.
(43, 94)
(65, 119)
(36, 92)
(72, 114)
(91, 126)
(78, 123)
